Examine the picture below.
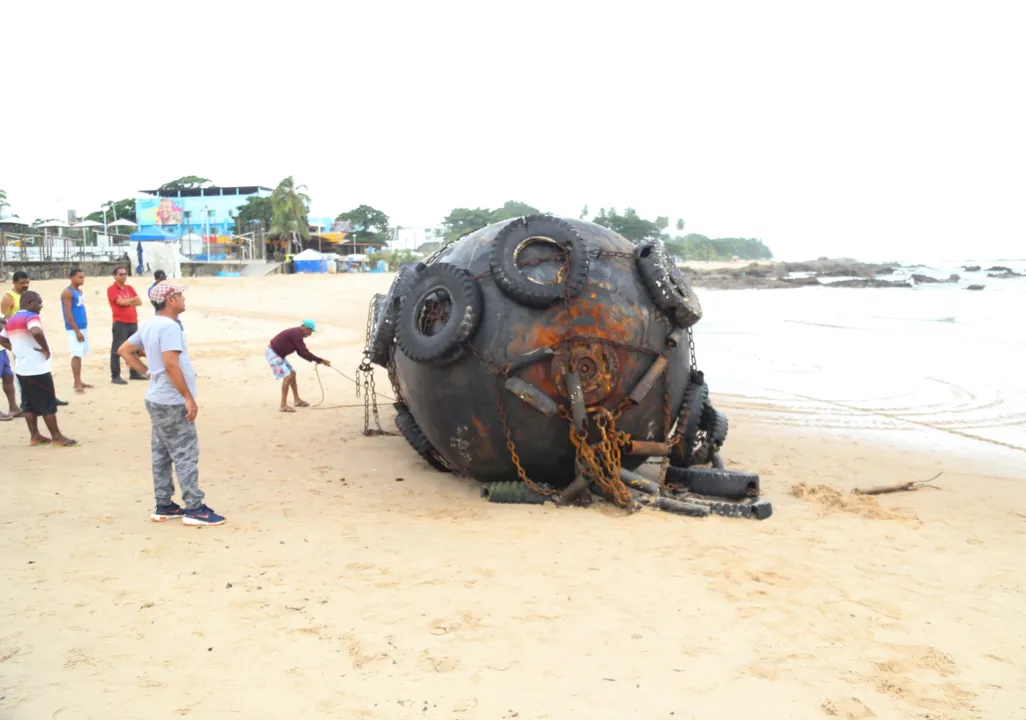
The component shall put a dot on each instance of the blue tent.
(151, 233)
(310, 261)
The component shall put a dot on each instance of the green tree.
(120, 210)
(512, 209)
(3, 200)
(680, 225)
(189, 182)
(462, 221)
(699, 247)
(255, 208)
(289, 212)
(369, 224)
(632, 226)
(584, 213)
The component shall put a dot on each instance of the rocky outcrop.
(1005, 273)
(926, 279)
(976, 287)
(769, 275)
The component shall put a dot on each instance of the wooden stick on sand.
(900, 487)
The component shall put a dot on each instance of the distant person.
(281, 346)
(76, 323)
(123, 303)
(11, 301)
(7, 376)
(157, 277)
(171, 403)
(23, 335)
(9, 305)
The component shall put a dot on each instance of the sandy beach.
(353, 581)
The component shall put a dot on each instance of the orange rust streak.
(485, 435)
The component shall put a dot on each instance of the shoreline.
(838, 273)
(351, 580)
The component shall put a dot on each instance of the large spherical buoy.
(515, 334)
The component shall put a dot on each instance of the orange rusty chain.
(602, 459)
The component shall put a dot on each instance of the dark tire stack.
(410, 430)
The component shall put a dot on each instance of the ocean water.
(933, 367)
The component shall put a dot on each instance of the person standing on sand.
(7, 377)
(281, 346)
(157, 277)
(76, 323)
(10, 304)
(171, 403)
(23, 335)
(123, 303)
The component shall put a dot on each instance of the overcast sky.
(881, 130)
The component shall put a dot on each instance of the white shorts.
(76, 348)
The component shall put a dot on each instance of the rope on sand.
(318, 406)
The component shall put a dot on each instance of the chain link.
(366, 371)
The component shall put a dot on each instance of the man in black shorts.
(23, 335)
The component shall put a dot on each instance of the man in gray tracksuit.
(171, 402)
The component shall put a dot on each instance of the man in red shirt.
(123, 303)
(282, 345)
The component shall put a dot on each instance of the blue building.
(206, 212)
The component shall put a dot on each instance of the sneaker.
(167, 512)
(119, 381)
(202, 516)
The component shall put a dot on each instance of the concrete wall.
(206, 269)
(60, 270)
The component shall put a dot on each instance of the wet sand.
(352, 581)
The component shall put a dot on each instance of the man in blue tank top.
(76, 323)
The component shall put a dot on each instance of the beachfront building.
(204, 212)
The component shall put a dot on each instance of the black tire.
(511, 279)
(383, 331)
(410, 430)
(730, 484)
(689, 420)
(667, 286)
(715, 425)
(464, 314)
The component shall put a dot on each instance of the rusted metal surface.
(531, 395)
(639, 482)
(576, 397)
(648, 448)
(619, 332)
(643, 387)
(530, 358)
(596, 365)
(576, 489)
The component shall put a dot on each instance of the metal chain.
(521, 473)
(691, 347)
(366, 370)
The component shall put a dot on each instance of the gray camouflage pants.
(173, 441)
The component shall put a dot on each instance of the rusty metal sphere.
(508, 291)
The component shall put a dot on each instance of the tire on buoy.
(383, 329)
(539, 229)
(689, 420)
(667, 286)
(410, 430)
(447, 289)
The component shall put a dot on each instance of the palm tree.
(3, 200)
(289, 209)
